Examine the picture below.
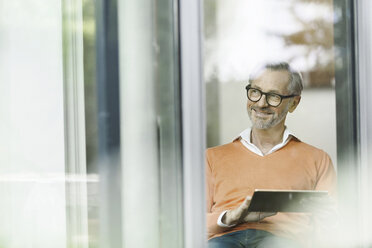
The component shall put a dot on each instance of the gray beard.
(262, 124)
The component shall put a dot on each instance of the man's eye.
(274, 97)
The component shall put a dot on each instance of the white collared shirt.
(246, 141)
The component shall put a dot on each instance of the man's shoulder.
(295, 143)
(225, 148)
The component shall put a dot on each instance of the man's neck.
(266, 139)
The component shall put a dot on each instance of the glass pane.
(91, 125)
(88, 158)
(243, 34)
(150, 125)
(316, 38)
(168, 114)
(363, 70)
(32, 153)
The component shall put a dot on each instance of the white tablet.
(284, 200)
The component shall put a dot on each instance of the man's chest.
(242, 177)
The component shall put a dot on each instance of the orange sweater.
(234, 172)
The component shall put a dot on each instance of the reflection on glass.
(90, 97)
(248, 32)
(240, 34)
(32, 186)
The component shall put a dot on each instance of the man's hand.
(241, 214)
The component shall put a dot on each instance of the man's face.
(262, 115)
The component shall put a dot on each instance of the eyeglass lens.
(255, 95)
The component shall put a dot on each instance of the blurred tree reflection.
(89, 36)
(91, 128)
(316, 38)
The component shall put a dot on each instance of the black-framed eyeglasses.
(272, 99)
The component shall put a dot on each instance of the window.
(326, 41)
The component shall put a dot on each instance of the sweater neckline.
(241, 145)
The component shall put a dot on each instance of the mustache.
(264, 110)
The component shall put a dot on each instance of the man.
(266, 156)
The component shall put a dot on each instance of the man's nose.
(262, 102)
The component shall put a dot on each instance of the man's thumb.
(247, 202)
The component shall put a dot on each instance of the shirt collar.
(246, 141)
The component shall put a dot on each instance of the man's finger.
(246, 203)
(267, 214)
(257, 216)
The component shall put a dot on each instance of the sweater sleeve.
(325, 223)
(326, 175)
(212, 217)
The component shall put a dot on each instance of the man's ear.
(294, 104)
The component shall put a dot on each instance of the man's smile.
(261, 113)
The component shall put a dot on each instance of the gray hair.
(295, 79)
